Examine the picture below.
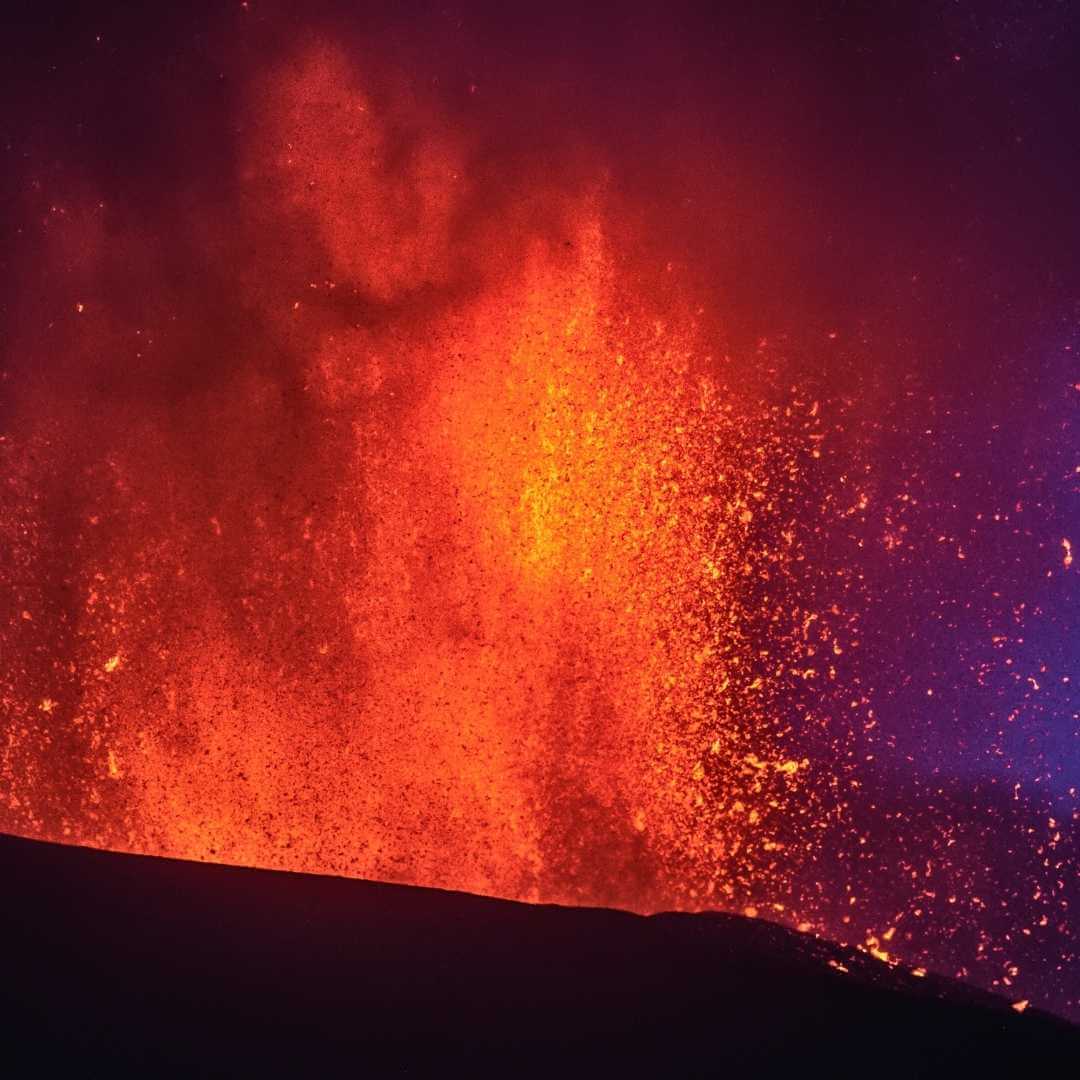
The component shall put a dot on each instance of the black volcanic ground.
(119, 964)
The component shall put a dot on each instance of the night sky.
(617, 457)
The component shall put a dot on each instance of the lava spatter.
(399, 515)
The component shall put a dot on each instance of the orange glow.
(529, 597)
(403, 498)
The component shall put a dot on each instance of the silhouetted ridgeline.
(124, 964)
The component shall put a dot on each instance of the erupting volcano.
(535, 462)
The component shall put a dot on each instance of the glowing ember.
(423, 523)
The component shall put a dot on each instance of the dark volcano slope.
(119, 965)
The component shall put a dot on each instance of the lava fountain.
(383, 520)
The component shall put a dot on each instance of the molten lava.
(426, 532)
(513, 619)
